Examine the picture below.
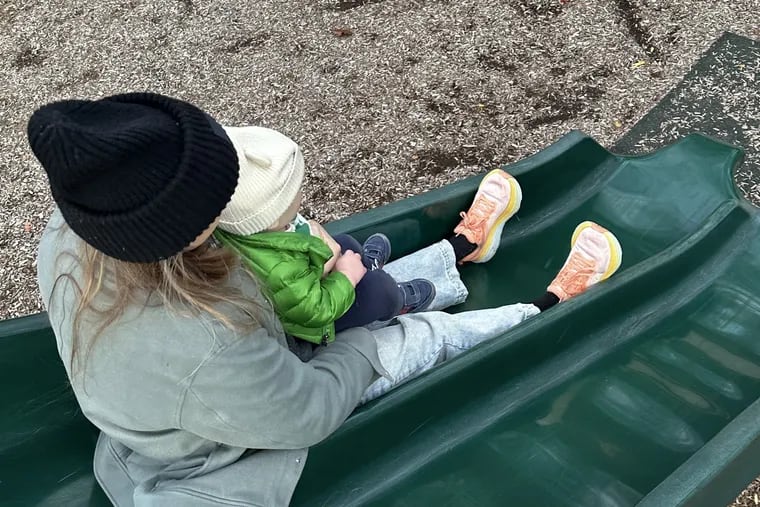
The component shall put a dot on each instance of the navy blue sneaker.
(376, 251)
(417, 295)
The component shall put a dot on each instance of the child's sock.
(546, 301)
(462, 247)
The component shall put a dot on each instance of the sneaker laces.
(476, 217)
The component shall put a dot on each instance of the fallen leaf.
(342, 32)
(638, 64)
(27, 227)
(617, 123)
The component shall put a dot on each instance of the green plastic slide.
(645, 390)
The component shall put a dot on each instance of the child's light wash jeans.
(416, 342)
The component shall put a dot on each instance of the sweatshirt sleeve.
(291, 268)
(318, 301)
(255, 393)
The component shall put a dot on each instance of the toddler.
(318, 284)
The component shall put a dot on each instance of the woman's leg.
(418, 342)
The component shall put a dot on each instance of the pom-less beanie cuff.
(138, 176)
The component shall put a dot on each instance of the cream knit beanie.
(271, 173)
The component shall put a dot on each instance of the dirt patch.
(539, 8)
(7, 12)
(631, 14)
(87, 76)
(558, 71)
(29, 57)
(494, 59)
(597, 73)
(434, 161)
(344, 5)
(252, 42)
(438, 106)
(556, 105)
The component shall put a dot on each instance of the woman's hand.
(350, 264)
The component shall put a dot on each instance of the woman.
(169, 346)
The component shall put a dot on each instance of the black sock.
(462, 247)
(546, 301)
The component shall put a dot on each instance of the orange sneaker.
(595, 254)
(497, 200)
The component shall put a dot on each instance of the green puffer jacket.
(290, 267)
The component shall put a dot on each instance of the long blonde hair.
(191, 282)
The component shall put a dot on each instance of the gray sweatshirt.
(192, 413)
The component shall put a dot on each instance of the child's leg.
(347, 242)
(378, 297)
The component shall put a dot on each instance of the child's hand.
(350, 264)
(320, 232)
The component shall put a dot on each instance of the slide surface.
(640, 390)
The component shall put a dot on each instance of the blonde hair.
(189, 283)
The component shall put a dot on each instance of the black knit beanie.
(138, 176)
